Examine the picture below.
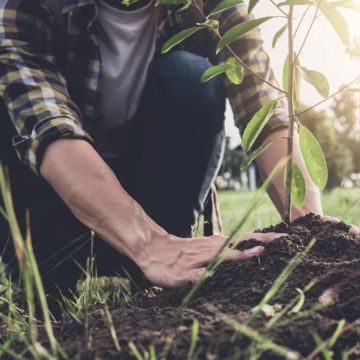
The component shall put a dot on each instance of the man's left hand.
(353, 228)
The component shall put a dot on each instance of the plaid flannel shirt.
(50, 78)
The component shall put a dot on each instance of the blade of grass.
(325, 346)
(337, 333)
(40, 290)
(166, 351)
(135, 351)
(258, 338)
(194, 339)
(315, 308)
(110, 325)
(281, 279)
(29, 273)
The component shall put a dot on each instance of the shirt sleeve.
(31, 85)
(252, 93)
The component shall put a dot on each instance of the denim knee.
(175, 80)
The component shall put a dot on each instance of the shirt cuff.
(30, 148)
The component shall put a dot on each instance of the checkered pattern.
(50, 82)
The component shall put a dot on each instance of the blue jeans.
(171, 150)
(168, 156)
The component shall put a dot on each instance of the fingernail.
(256, 250)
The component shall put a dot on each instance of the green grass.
(341, 203)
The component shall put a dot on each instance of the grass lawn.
(342, 203)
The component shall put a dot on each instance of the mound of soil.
(330, 273)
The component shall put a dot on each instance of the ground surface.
(330, 271)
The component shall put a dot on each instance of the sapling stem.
(290, 95)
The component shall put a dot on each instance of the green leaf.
(178, 38)
(224, 5)
(285, 74)
(236, 73)
(257, 123)
(211, 24)
(278, 35)
(348, 4)
(297, 85)
(297, 78)
(314, 157)
(214, 71)
(254, 154)
(337, 21)
(318, 80)
(298, 189)
(252, 4)
(238, 30)
(186, 6)
(295, 2)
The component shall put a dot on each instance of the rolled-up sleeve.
(252, 93)
(31, 85)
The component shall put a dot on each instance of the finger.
(331, 219)
(263, 237)
(353, 228)
(227, 254)
(236, 255)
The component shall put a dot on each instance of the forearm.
(266, 162)
(94, 195)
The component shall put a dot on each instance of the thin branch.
(309, 30)
(301, 20)
(247, 67)
(279, 8)
(330, 96)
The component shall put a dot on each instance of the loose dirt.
(330, 272)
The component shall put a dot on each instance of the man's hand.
(353, 228)
(95, 196)
(174, 262)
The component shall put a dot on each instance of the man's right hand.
(94, 195)
(170, 261)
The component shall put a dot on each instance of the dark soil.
(331, 270)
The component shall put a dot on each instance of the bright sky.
(323, 52)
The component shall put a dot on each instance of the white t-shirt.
(127, 46)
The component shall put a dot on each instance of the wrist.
(312, 203)
(140, 235)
